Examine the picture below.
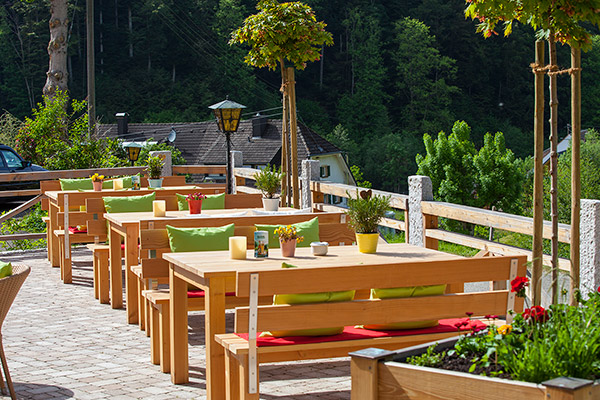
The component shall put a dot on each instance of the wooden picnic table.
(215, 272)
(127, 226)
(61, 200)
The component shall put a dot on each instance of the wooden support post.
(575, 170)
(364, 368)
(284, 140)
(569, 389)
(293, 138)
(538, 187)
(554, 164)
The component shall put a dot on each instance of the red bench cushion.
(77, 229)
(192, 294)
(352, 333)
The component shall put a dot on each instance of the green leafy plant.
(428, 359)
(29, 223)
(268, 181)
(155, 165)
(366, 211)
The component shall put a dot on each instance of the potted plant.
(532, 356)
(97, 181)
(364, 214)
(268, 181)
(288, 237)
(194, 201)
(155, 165)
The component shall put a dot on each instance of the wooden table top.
(135, 217)
(208, 264)
(55, 194)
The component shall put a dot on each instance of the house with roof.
(258, 139)
(563, 146)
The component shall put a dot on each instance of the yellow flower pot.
(367, 242)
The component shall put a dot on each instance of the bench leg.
(96, 274)
(232, 377)
(141, 300)
(67, 267)
(165, 338)
(154, 334)
(103, 280)
(244, 381)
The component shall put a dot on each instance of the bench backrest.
(380, 311)
(154, 240)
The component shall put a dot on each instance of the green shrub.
(29, 223)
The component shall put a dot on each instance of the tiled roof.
(203, 143)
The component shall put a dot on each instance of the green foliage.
(57, 137)
(563, 18)
(423, 77)
(29, 223)
(282, 32)
(9, 128)
(268, 180)
(366, 211)
(428, 359)
(358, 177)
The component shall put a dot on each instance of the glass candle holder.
(159, 208)
(117, 184)
(237, 247)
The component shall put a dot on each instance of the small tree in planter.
(155, 165)
(268, 181)
(364, 214)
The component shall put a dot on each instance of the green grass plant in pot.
(364, 214)
(268, 181)
(155, 165)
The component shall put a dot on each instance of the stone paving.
(62, 344)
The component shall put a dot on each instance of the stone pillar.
(589, 246)
(167, 169)
(419, 189)
(237, 161)
(310, 172)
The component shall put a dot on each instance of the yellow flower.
(505, 329)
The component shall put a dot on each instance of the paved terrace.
(62, 344)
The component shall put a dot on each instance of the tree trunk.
(284, 139)
(538, 183)
(57, 75)
(575, 168)
(293, 138)
(91, 68)
(554, 164)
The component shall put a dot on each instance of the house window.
(325, 171)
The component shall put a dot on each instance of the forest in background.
(397, 70)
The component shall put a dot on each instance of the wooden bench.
(243, 355)
(154, 304)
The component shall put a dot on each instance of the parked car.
(11, 161)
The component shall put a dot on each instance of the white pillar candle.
(159, 207)
(237, 247)
(118, 184)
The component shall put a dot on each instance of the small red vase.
(97, 186)
(195, 206)
(288, 249)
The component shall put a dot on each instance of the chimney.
(122, 122)
(259, 124)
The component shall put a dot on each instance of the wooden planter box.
(382, 375)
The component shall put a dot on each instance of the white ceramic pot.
(319, 248)
(270, 204)
(155, 183)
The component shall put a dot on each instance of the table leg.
(214, 324)
(179, 328)
(131, 258)
(116, 280)
(53, 240)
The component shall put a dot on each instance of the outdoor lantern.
(133, 151)
(227, 115)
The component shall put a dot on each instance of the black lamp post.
(227, 115)
(133, 151)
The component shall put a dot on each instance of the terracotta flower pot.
(288, 249)
(97, 186)
(195, 206)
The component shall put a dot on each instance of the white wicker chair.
(9, 287)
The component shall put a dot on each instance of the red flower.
(519, 284)
(469, 313)
(491, 316)
(536, 314)
(598, 289)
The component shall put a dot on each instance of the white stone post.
(419, 189)
(237, 161)
(589, 246)
(310, 172)
(167, 169)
